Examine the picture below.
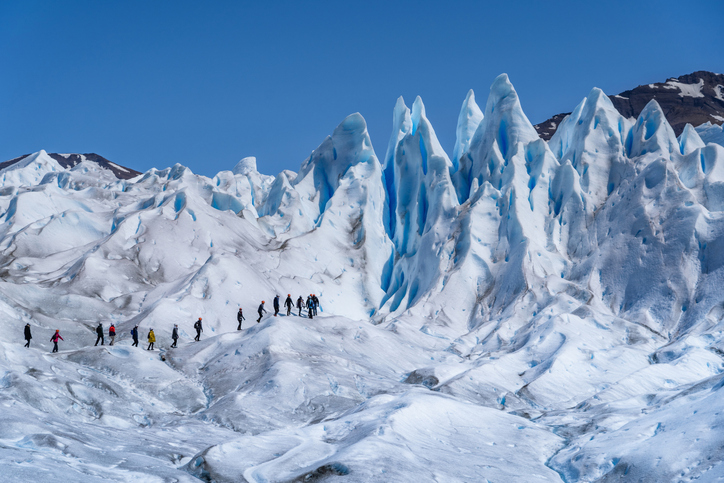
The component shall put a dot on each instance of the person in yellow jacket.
(151, 339)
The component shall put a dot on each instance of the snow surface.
(522, 311)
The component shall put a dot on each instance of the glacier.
(519, 311)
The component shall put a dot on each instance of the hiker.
(276, 305)
(134, 334)
(151, 339)
(315, 301)
(300, 305)
(99, 331)
(28, 336)
(310, 311)
(289, 304)
(199, 329)
(310, 304)
(112, 333)
(174, 335)
(240, 318)
(55, 338)
(261, 311)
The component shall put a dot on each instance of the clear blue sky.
(150, 83)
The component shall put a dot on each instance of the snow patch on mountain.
(687, 90)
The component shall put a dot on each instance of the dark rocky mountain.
(70, 160)
(548, 128)
(695, 99)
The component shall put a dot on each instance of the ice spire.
(401, 126)
(420, 197)
(651, 133)
(303, 200)
(420, 172)
(245, 166)
(591, 138)
(689, 140)
(468, 121)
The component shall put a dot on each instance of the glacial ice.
(520, 311)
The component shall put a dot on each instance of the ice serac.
(508, 163)
(401, 126)
(245, 166)
(320, 175)
(654, 232)
(468, 122)
(651, 133)
(338, 197)
(30, 171)
(689, 140)
(244, 183)
(499, 137)
(711, 133)
(591, 141)
(424, 203)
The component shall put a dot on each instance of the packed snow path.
(522, 311)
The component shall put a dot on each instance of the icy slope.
(520, 311)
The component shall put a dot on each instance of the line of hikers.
(311, 305)
(112, 335)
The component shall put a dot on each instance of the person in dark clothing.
(55, 338)
(28, 336)
(174, 335)
(309, 305)
(112, 333)
(199, 329)
(99, 331)
(310, 312)
(134, 334)
(261, 311)
(240, 318)
(289, 304)
(315, 301)
(300, 305)
(276, 305)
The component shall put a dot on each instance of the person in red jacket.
(112, 333)
(55, 338)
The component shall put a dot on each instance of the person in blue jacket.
(134, 334)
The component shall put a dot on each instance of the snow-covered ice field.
(520, 311)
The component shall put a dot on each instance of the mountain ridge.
(695, 99)
(68, 161)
